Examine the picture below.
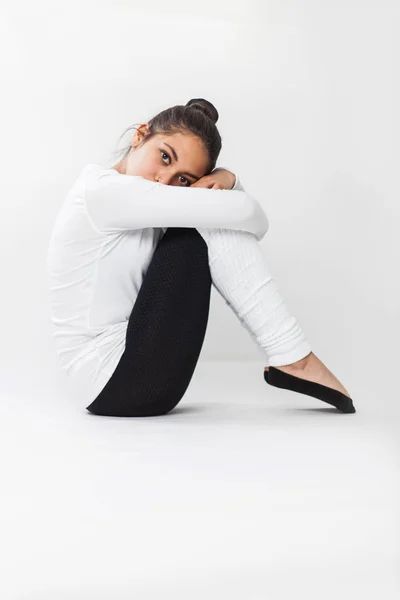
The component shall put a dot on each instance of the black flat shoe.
(286, 381)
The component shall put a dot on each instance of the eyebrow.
(176, 158)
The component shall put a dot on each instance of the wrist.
(232, 177)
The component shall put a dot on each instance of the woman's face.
(177, 159)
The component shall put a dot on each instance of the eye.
(187, 180)
(162, 152)
(168, 156)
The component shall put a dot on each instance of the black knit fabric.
(165, 333)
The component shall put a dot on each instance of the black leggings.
(165, 332)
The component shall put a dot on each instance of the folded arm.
(117, 202)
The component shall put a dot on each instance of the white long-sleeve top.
(101, 245)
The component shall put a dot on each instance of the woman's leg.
(240, 273)
(165, 333)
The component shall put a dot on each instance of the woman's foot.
(313, 369)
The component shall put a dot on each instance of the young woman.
(132, 256)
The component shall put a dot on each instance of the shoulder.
(95, 169)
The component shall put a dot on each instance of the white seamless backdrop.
(244, 491)
(308, 97)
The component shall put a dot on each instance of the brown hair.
(198, 116)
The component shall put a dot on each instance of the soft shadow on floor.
(242, 491)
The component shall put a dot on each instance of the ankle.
(301, 364)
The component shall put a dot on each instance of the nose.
(165, 178)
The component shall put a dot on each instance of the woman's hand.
(219, 179)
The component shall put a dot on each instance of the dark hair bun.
(206, 107)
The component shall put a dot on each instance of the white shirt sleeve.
(117, 202)
(237, 185)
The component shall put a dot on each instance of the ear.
(140, 133)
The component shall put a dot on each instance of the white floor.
(244, 491)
